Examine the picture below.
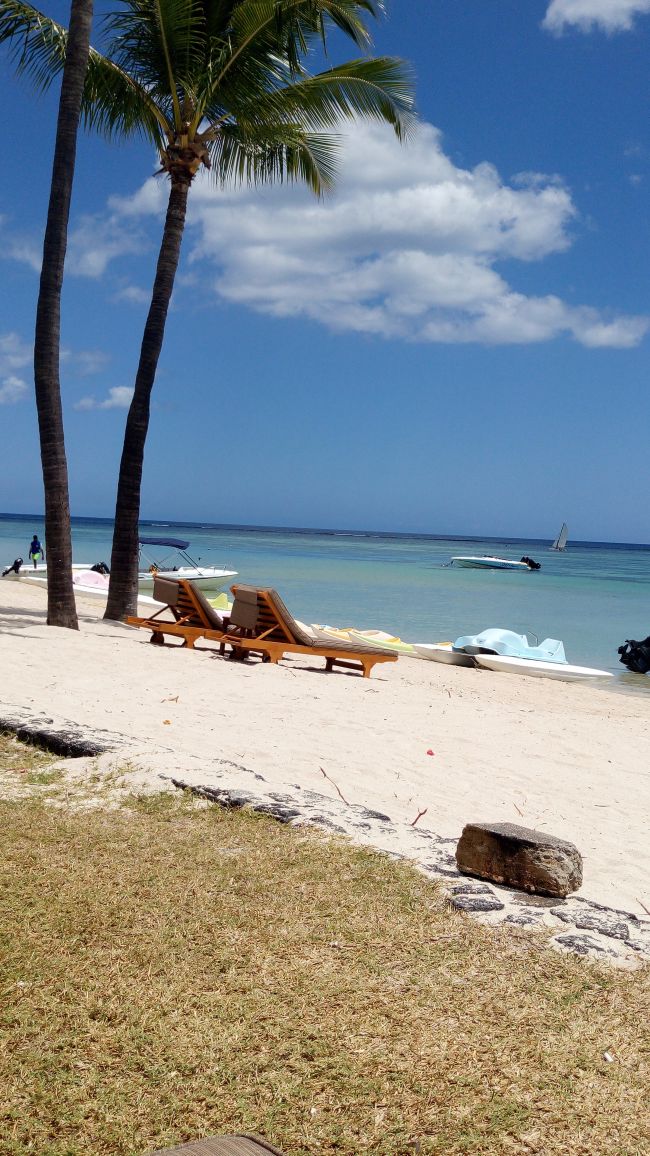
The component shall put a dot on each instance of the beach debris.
(430, 752)
(335, 785)
(520, 857)
(608, 1057)
(167, 722)
(419, 816)
(171, 698)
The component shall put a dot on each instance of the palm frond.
(117, 105)
(288, 27)
(161, 43)
(37, 43)
(378, 89)
(275, 154)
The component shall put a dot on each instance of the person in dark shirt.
(36, 550)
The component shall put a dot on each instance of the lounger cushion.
(212, 616)
(165, 590)
(304, 636)
(171, 591)
(244, 612)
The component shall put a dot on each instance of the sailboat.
(560, 541)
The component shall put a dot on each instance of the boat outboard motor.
(531, 563)
(14, 568)
(100, 568)
(636, 655)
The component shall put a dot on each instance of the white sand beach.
(569, 759)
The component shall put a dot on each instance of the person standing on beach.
(36, 550)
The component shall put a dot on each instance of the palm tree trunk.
(61, 608)
(123, 585)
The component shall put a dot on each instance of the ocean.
(592, 596)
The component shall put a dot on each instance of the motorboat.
(177, 564)
(490, 562)
(174, 563)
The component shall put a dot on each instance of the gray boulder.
(519, 857)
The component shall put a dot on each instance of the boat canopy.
(177, 543)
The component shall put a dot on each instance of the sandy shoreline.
(569, 759)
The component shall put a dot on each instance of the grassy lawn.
(170, 970)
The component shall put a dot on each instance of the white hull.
(206, 578)
(443, 652)
(481, 562)
(90, 589)
(560, 670)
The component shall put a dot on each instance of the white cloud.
(95, 241)
(14, 352)
(119, 397)
(26, 251)
(607, 15)
(151, 197)
(134, 295)
(410, 246)
(85, 362)
(12, 389)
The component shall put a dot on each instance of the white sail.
(560, 541)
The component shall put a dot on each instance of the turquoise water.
(593, 596)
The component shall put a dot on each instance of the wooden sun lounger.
(276, 628)
(258, 622)
(192, 616)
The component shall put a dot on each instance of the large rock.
(519, 857)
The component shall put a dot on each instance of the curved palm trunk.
(123, 585)
(61, 608)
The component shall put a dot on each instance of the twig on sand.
(341, 796)
(419, 816)
(646, 909)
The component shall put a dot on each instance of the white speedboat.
(489, 562)
(174, 563)
(179, 564)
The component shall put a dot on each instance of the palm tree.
(61, 608)
(221, 85)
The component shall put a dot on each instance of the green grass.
(174, 970)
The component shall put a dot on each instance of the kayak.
(443, 652)
(560, 670)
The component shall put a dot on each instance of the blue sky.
(455, 341)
